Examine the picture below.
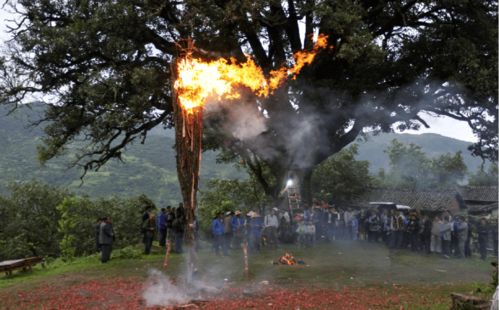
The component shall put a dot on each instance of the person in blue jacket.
(255, 226)
(217, 229)
(237, 224)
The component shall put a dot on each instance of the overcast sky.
(441, 125)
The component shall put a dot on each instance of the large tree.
(104, 68)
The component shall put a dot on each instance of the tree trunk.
(188, 144)
(305, 176)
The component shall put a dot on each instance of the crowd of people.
(168, 225)
(442, 233)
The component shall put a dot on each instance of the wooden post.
(244, 246)
(167, 254)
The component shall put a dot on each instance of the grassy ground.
(373, 269)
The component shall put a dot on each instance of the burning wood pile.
(289, 260)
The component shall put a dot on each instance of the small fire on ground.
(289, 260)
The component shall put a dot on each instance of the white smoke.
(245, 124)
(241, 119)
(160, 291)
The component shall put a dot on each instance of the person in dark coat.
(426, 234)
(106, 239)
(374, 227)
(483, 236)
(493, 228)
(179, 227)
(413, 231)
(97, 233)
(149, 228)
(170, 216)
(162, 227)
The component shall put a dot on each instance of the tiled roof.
(478, 193)
(423, 200)
(477, 209)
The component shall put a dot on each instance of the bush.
(39, 220)
(28, 221)
(79, 219)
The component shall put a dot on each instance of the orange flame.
(199, 80)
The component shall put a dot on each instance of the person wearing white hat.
(237, 225)
(271, 224)
(255, 231)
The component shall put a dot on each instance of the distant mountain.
(433, 145)
(150, 168)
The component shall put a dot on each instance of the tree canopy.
(341, 177)
(411, 168)
(105, 69)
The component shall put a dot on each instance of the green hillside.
(150, 168)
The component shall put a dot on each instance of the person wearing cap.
(237, 226)
(271, 224)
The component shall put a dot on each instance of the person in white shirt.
(270, 224)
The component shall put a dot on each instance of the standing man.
(436, 238)
(483, 236)
(237, 225)
(332, 219)
(106, 239)
(493, 223)
(446, 234)
(217, 229)
(271, 224)
(413, 231)
(347, 216)
(179, 227)
(228, 230)
(462, 235)
(426, 234)
(170, 216)
(354, 223)
(374, 227)
(255, 231)
(162, 227)
(148, 229)
(97, 234)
